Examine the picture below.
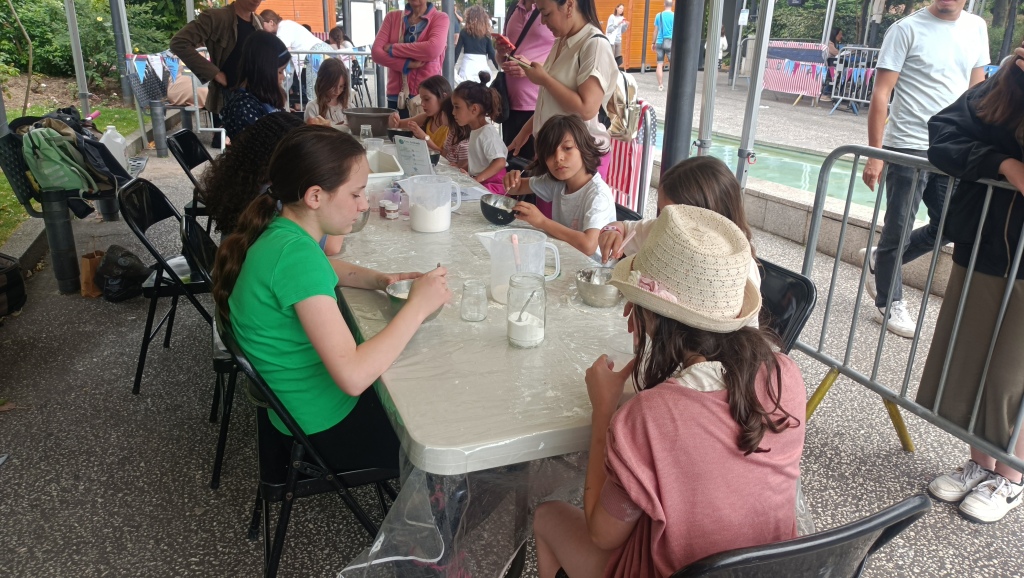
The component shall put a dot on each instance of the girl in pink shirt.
(705, 458)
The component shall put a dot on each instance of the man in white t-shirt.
(928, 60)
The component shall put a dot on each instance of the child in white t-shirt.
(473, 103)
(566, 175)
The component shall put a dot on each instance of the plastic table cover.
(488, 430)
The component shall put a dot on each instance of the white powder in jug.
(430, 220)
(529, 332)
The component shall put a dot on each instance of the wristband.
(613, 227)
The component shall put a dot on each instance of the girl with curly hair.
(475, 40)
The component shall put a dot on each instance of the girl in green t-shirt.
(276, 288)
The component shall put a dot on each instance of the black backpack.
(12, 286)
(121, 274)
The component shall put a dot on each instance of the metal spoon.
(528, 299)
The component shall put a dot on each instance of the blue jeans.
(900, 208)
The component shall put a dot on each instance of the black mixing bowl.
(498, 209)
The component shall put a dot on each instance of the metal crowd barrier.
(308, 74)
(853, 76)
(737, 60)
(894, 389)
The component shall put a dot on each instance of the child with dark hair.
(711, 390)
(565, 174)
(473, 104)
(261, 72)
(456, 144)
(432, 124)
(276, 290)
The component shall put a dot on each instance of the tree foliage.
(45, 22)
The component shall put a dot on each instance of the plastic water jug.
(116, 144)
(530, 247)
(430, 202)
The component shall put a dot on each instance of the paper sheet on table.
(473, 193)
(414, 156)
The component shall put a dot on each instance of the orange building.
(633, 38)
(309, 12)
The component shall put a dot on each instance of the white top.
(296, 38)
(335, 113)
(485, 145)
(572, 61)
(591, 207)
(614, 28)
(460, 398)
(935, 58)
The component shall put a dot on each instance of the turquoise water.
(794, 169)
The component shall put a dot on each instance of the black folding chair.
(839, 553)
(787, 300)
(359, 84)
(200, 252)
(190, 154)
(306, 474)
(142, 206)
(623, 213)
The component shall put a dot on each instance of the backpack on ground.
(121, 274)
(12, 286)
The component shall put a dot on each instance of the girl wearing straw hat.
(712, 391)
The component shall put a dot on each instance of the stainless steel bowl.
(592, 283)
(359, 224)
(377, 118)
(395, 292)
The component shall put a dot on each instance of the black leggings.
(363, 440)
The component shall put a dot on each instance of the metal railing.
(308, 73)
(869, 373)
(737, 60)
(852, 78)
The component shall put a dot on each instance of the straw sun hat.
(694, 268)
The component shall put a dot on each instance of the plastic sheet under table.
(485, 426)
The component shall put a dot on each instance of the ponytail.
(232, 251)
(479, 93)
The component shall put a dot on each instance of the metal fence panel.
(852, 76)
(893, 387)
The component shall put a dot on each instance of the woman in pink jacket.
(411, 45)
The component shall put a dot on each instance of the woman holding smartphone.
(616, 25)
(533, 43)
(578, 76)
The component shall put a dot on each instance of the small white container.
(116, 144)
(384, 169)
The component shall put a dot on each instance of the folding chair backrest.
(626, 214)
(838, 553)
(189, 152)
(200, 249)
(144, 205)
(787, 300)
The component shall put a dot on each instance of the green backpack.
(55, 163)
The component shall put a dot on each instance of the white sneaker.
(954, 486)
(900, 321)
(869, 281)
(991, 500)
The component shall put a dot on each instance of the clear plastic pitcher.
(532, 246)
(430, 202)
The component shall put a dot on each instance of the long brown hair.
(708, 183)
(1002, 104)
(309, 156)
(477, 22)
(327, 77)
(442, 90)
(743, 355)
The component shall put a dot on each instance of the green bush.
(45, 22)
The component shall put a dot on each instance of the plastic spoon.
(614, 260)
(515, 252)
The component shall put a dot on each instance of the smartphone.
(518, 61)
(503, 39)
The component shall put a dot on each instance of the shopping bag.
(90, 263)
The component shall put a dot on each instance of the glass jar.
(390, 210)
(525, 309)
